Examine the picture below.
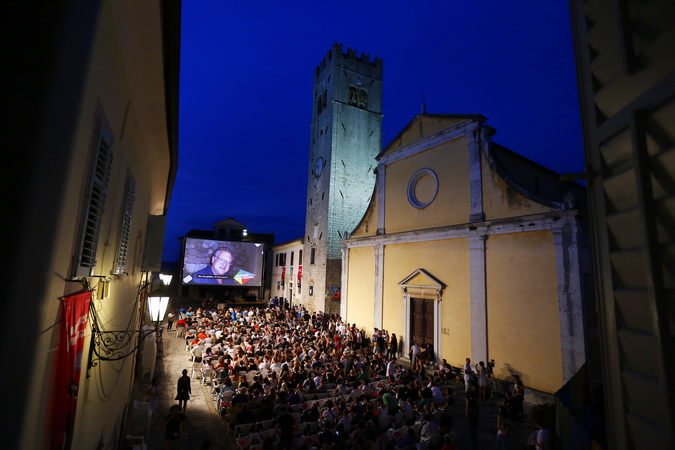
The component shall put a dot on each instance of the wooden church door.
(422, 323)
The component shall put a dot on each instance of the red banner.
(283, 275)
(67, 368)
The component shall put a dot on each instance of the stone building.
(346, 135)
(286, 279)
(473, 249)
(95, 96)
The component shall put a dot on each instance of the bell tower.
(346, 136)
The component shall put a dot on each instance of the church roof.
(534, 181)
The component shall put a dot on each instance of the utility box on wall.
(154, 244)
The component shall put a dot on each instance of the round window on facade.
(422, 188)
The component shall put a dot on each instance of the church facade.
(473, 250)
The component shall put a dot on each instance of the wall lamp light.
(117, 345)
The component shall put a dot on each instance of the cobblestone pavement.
(206, 426)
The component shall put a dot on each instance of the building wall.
(502, 270)
(450, 162)
(522, 300)
(448, 260)
(362, 267)
(502, 201)
(123, 83)
(290, 289)
(626, 78)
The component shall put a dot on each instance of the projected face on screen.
(223, 263)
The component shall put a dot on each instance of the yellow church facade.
(474, 250)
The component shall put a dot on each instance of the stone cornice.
(535, 222)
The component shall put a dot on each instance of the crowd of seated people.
(275, 362)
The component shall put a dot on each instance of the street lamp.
(166, 278)
(158, 300)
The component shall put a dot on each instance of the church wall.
(368, 224)
(502, 201)
(448, 260)
(522, 308)
(450, 162)
(361, 287)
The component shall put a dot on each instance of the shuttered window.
(85, 257)
(125, 226)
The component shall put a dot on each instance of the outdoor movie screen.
(223, 263)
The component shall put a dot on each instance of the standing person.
(381, 340)
(518, 398)
(170, 317)
(482, 379)
(393, 346)
(184, 390)
(468, 375)
(542, 437)
(173, 428)
(505, 440)
(471, 413)
(285, 428)
(153, 394)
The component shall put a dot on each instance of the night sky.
(246, 93)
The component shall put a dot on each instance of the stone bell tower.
(346, 136)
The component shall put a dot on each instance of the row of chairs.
(255, 441)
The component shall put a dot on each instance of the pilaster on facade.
(566, 237)
(381, 186)
(476, 175)
(377, 295)
(345, 280)
(478, 294)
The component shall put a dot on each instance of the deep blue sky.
(246, 92)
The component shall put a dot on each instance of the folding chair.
(248, 441)
(244, 429)
(266, 425)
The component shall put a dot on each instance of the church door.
(422, 323)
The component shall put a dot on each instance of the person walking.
(415, 352)
(170, 318)
(153, 394)
(184, 390)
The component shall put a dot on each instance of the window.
(292, 257)
(125, 226)
(95, 191)
(312, 255)
(282, 259)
